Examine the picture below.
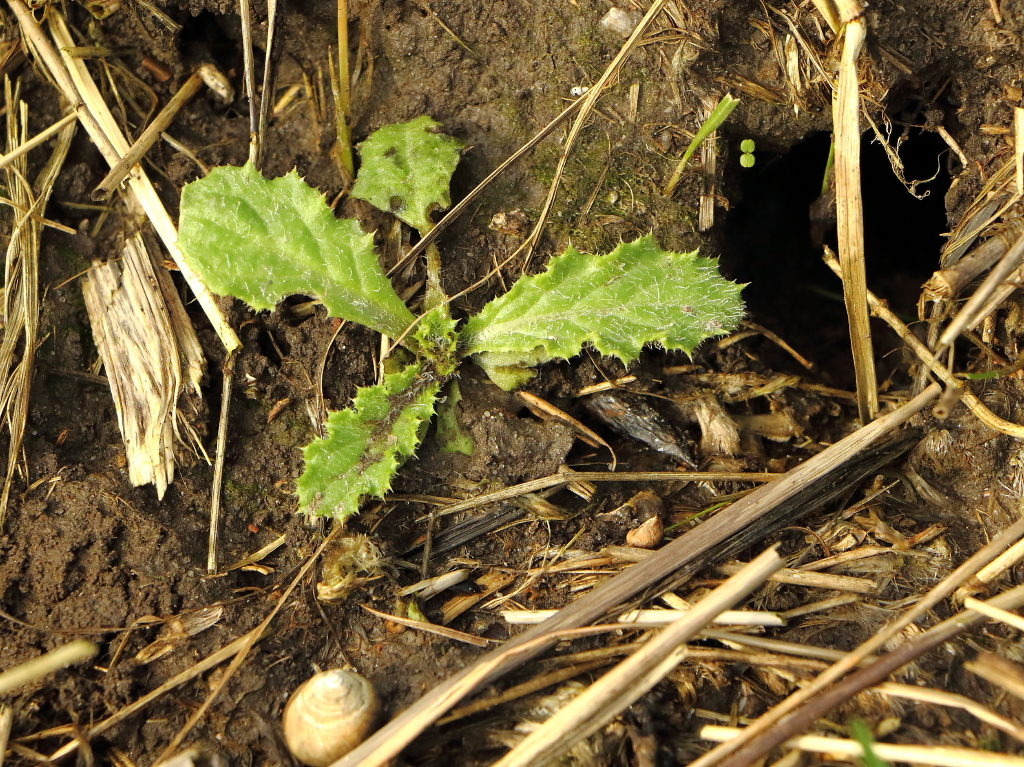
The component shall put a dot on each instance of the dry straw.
(850, 208)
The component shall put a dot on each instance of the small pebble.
(648, 535)
(618, 22)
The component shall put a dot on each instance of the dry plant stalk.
(850, 208)
(685, 550)
(767, 722)
(969, 398)
(755, 748)
(74, 652)
(978, 306)
(6, 720)
(938, 756)
(149, 137)
(21, 279)
(627, 682)
(75, 83)
(137, 341)
(943, 698)
(998, 671)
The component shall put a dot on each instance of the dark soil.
(85, 553)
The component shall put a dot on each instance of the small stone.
(648, 535)
(514, 223)
(618, 22)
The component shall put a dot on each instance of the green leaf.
(449, 434)
(862, 734)
(437, 340)
(618, 302)
(261, 240)
(366, 444)
(406, 169)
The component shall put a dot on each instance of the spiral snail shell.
(328, 715)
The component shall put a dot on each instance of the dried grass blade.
(943, 589)
(39, 138)
(389, 741)
(943, 698)
(76, 84)
(267, 94)
(6, 720)
(850, 209)
(210, 661)
(431, 628)
(623, 685)
(1004, 616)
(866, 677)
(971, 400)
(21, 280)
(73, 652)
(246, 643)
(998, 671)
(939, 756)
(564, 478)
(589, 100)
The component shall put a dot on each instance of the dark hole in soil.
(211, 37)
(767, 241)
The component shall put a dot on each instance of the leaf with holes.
(635, 295)
(262, 240)
(366, 443)
(406, 170)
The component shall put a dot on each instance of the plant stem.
(340, 86)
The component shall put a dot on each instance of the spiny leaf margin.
(406, 170)
(366, 444)
(635, 295)
(262, 239)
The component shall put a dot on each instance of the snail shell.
(328, 715)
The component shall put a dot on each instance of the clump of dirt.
(85, 553)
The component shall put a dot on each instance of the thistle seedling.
(261, 240)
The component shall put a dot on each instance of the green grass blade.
(718, 116)
(862, 734)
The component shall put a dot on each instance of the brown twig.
(943, 589)
(149, 137)
(623, 685)
(226, 390)
(826, 700)
(690, 547)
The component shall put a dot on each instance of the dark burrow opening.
(770, 241)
